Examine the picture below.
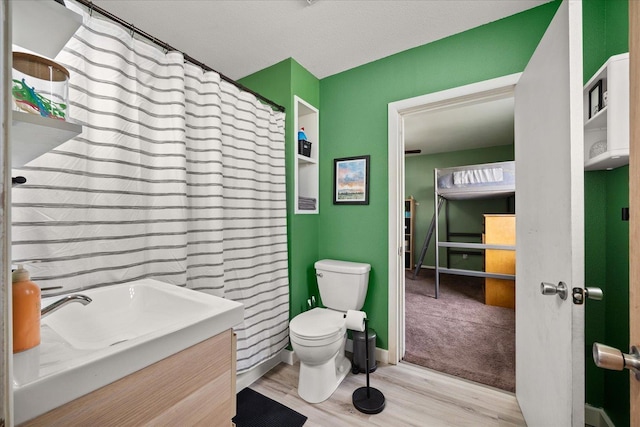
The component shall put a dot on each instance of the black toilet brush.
(368, 399)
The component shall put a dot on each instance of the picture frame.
(351, 180)
(595, 99)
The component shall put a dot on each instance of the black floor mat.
(257, 410)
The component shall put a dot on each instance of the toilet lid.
(318, 323)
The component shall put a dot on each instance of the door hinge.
(625, 214)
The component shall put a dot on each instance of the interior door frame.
(500, 86)
(634, 199)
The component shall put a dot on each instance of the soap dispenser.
(26, 311)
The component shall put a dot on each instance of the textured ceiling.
(240, 37)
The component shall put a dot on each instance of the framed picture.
(351, 181)
(595, 99)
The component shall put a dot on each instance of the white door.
(550, 225)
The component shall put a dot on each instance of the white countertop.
(61, 369)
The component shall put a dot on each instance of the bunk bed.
(490, 180)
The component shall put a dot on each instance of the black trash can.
(359, 360)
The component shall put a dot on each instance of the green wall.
(616, 383)
(353, 121)
(353, 108)
(595, 202)
(464, 215)
(605, 33)
(607, 267)
(280, 83)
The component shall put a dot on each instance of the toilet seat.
(318, 326)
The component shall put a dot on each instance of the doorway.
(548, 134)
(402, 297)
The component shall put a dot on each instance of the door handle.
(594, 293)
(611, 358)
(550, 289)
(579, 294)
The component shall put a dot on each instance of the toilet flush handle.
(319, 274)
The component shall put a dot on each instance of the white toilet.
(318, 336)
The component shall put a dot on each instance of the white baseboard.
(289, 357)
(247, 378)
(596, 417)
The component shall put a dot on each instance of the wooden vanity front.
(195, 387)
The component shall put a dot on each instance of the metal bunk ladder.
(475, 246)
(427, 239)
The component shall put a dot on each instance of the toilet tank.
(342, 284)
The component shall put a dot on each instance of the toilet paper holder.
(367, 400)
(355, 320)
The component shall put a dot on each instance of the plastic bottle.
(26, 311)
(301, 135)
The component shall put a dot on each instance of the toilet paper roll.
(355, 320)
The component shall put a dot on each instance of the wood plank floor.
(415, 396)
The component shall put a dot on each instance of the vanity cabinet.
(196, 386)
(606, 127)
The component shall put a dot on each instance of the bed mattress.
(477, 181)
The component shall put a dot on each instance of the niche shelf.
(306, 169)
(606, 133)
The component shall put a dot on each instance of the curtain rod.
(92, 7)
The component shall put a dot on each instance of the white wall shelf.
(305, 159)
(42, 27)
(610, 125)
(306, 173)
(32, 136)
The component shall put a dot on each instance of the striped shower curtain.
(177, 176)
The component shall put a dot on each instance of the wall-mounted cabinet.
(42, 27)
(606, 115)
(307, 162)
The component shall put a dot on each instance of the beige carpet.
(457, 333)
